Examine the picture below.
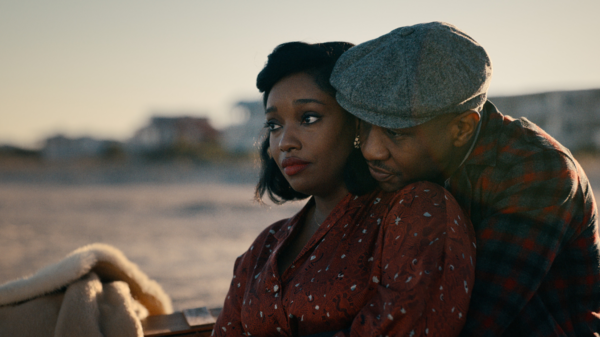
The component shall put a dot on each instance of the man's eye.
(393, 133)
(310, 119)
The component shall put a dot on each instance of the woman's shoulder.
(421, 201)
(415, 193)
(426, 208)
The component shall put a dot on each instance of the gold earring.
(357, 142)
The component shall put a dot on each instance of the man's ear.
(463, 127)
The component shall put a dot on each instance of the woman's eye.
(310, 119)
(272, 126)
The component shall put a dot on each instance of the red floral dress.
(395, 264)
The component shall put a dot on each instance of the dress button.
(275, 288)
(407, 31)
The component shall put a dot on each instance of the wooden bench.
(197, 322)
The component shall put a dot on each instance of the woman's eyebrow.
(307, 100)
(296, 102)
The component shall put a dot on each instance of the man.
(421, 93)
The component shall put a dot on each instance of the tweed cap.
(412, 75)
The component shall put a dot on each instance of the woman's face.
(311, 136)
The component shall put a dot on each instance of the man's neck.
(460, 156)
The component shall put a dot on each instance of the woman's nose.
(372, 143)
(289, 140)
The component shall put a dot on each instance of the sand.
(184, 231)
(185, 236)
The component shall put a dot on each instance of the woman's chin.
(316, 189)
(310, 182)
(303, 188)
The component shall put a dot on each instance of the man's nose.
(372, 143)
(289, 140)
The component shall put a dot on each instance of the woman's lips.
(379, 174)
(292, 166)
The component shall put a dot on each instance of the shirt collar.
(486, 149)
(291, 223)
(350, 201)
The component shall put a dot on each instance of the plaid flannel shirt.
(536, 223)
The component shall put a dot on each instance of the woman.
(354, 261)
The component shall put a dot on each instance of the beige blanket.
(94, 291)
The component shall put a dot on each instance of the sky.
(103, 68)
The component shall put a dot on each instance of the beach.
(184, 230)
(184, 233)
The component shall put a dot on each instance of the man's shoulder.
(530, 168)
(523, 135)
(521, 142)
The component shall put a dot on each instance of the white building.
(243, 137)
(571, 117)
(60, 147)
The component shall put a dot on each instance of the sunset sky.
(102, 68)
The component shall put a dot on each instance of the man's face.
(398, 157)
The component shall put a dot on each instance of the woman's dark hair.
(318, 61)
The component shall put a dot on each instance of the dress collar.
(350, 201)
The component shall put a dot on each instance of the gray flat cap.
(412, 75)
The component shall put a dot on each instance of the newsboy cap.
(412, 75)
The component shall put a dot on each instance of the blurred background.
(134, 123)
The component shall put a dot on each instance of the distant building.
(242, 138)
(165, 132)
(60, 147)
(18, 152)
(571, 117)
